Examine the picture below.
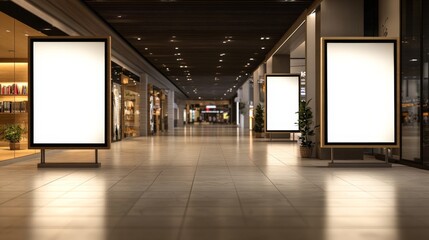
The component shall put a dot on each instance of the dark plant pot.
(259, 135)
(15, 146)
(306, 152)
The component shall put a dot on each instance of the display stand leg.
(96, 156)
(42, 156)
(332, 155)
(386, 155)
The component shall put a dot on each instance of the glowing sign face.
(69, 92)
(360, 93)
(282, 103)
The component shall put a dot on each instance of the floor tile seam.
(182, 223)
(26, 192)
(285, 164)
(362, 188)
(139, 197)
(243, 215)
(287, 199)
(129, 172)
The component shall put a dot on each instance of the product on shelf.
(13, 89)
(13, 107)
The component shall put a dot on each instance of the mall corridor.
(209, 182)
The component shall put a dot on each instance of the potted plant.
(13, 134)
(305, 122)
(259, 121)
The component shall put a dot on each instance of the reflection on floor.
(7, 154)
(410, 142)
(211, 182)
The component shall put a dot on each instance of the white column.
(170, 111)
(181, 105)
(143, 108)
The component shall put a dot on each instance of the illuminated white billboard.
(69, 92)
(281, 103)
(360, 97)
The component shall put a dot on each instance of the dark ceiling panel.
(204, 47)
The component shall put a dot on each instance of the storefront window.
(116, 75)
(159, 110)
(411, 85)
(131, 108)
(14, 86)
(425, 84)
(116, 112)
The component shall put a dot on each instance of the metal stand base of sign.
(283, 139)
(44, 164)
(360, 163)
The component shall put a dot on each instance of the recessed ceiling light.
(413, 60)
(173, 36)
(268, 38)
(139, 39)
(146, 48)
(47, 29)
(224, 94)
(199, 97)
(262, 38)
(222, 54)
(119, 16)
(177, 79)
(262, 48)
(150, 53)
(218, 66)
(234, 86)
(251, 59)
(7, 30)
(176, 48)
(224, 42)
(229, 40)
(220, 60)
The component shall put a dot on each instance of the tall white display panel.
(360, 93)
(282, 103)
(69, 92)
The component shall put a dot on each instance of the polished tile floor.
(209, 182)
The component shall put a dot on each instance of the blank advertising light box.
(282, 103)
(360, 92)
(69, 82)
